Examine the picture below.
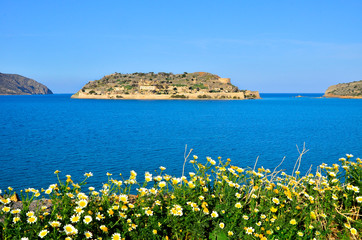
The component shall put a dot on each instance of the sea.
(41, 134)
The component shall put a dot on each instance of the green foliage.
(178, 96)
(204, 96)
(199, 86)
(217, 200)
(214, 91)
(128, 87)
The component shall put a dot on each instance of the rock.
(34, 205)
(13, 84)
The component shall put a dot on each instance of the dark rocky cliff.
(13, 84)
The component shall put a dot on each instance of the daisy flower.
(149, 212)
(55, 224)
(293, 222)
(123, 198)
(116, 236)
(249, 230)
(103, 228)
(32, 219)
(221, 225)
(16, 219)
(214, 214)
(74, 218)
(276, 201)
(87, 219)
(43, 233)
(82, 203)
(88, 234)
(162, 184)
(70, 229)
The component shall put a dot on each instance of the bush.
(204, 96)
(178, 96)
(128, 87)
(199, 86)
(216, 201)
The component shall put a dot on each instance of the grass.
(216, 201)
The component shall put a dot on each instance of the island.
(197, 85)
(14, 84)
(345, 90)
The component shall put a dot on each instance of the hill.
(198, 85)
(345, 90)
(14, 84)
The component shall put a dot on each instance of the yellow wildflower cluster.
(216, 200)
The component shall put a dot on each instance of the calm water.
(40, 134)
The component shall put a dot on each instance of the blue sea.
(41, 134)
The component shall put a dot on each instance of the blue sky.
(270, 46)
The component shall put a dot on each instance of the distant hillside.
(345, 90)
(13, 84)
(198, 85)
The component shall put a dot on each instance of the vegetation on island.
(168, 85)
(217, 200)
(345, 90)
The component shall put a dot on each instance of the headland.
(345, 90)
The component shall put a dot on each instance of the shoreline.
(343, 97)
(194, 96)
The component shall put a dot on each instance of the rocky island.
(14, 84)
(198, 85)
(345, 90)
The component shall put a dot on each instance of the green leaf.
(216, 235)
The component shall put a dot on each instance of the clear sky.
(270, 46)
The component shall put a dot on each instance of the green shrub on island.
(204, 96)
(128, 87)
(216, 201)
(199, 86)
(178, 96)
